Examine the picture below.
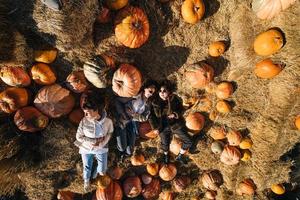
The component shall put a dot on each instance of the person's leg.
(53, 4)
(186, 142)
(121, 139)
(131, 134)
(87, 161)
(101, 163)
(165, 140)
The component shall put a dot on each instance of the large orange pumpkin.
(146, 131)
(30, 119)
(12, 99)
(137, 160)
(224, 90)
(216, 49)
(132, 187)
(168, 172)
(14, 76)
(199, 75)
(116, 4)
(192, 10)
(42, 74)
(152, 190)
(267, 69)
(230, 155)
(116, 173)
(195, 122)
(76, 116)
(132, 27)
(103, 181)
(45, 56)
(268, 43)
(54, 101)
(217, 133)
(181, 183)
(212, 180)
(234, 137)
(127, 81)
(247, 187)
(65, 195)
(297, 122)
(76, 82)
(112, 192)
(152, 168)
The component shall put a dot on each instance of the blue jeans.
(126, 137)
(87, 161)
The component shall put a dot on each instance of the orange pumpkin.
(223, 107)
(137, 160)
(42, 74)
(167, 195)
(76, 116)
(181, 183)
(297, 122)
(12, 99)
(132, 187)
(217, 133)
(76, 82)
(146, 131)
(152, 190)
(112, 192)
(199, 75)
(30, 119)
(127, 81)
(116, 4)
(234, 138)
(267, 69)
(212, 180)
(213, 115)
(247, 187)
(168, 172)
(268, 43)
(65, 195)
(45, 56)
(192, 10)
(146, 179)
(195, 122)
(278, 189)
(14, 76)
(103, 181)
(246, 155)
(204, 104)
(230, 155)
(104, 16)
(152, 168)
(216, 49)
(132, 27)
(210, 194)
(175, 145)
(116, 173)
(246, 143)
(224, 90)
(54, 101)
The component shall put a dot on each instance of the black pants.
(126, 137)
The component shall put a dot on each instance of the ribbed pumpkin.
(278, 189)
(146, 131)
(181, 183)
(137, 160)
(30, 119)
(132, 27)
(65, 195)
(246, 155)
(224, 90)
(132, 187)
(115, 173)
(146, 178)
(112, 192)
(167, 195)
(45, 56)
(217, 147)
(246, 143)
(297, 122)
(267, 9)
(234, 137)
(195, 122)
(267, 69)
(210, 194)
(12, 99)
(217, 133)
(127, 81)
(152, 168)
(223, 107)
(168, 172)
(175, 145)
(199, 75)
(230, 155)
(103, 181)
(192, 10)
(14, 76)
(54, 101)
(268, 43)
(76, 116)
(152, 190)
(98, 71)
(104, 16)
(42, 74)
(212, 180)
(116, 4)
(216, 49)
(247, 187)
(76, 82)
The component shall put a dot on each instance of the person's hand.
(156, 132)
(98, 141)
(171, 116)
(129, 111)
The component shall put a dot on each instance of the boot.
(180, 158)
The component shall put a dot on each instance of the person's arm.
(176, 106)
(153, 120)
(80, 135)
(105, 139)
(122, 115)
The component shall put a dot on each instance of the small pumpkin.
(116, 173)
(224, 90)
(247, 187)
(216, 49)
(278, 189)
(212, 180)
(267, 69)
(199, 75)
(132, 187)
(42, 74)
(14, 76)
(217, 147)
(168, 172)
(30, 119)
(132, 27)
(175, 145)
(210, 194)
(246, 155)
(297, 122)
(137, 160)
(217, 133)
(234, 137)
(45, 56)
(127, 81)
(76, 116)
(146, 179)
(230, 155)
(223, 107)
(104, 16)
(76, 82)
(103, 181)
(246, 143)
(54, 101)
(112, 192)
(152, 169)
(152, 190)
(181, 183)
(116, 4)
(268, 42)
(213, 115)
(167, 195)
(195, 122)
(192, 11)
(12, 99)
(211, 87)
(65, 195)
(146, 131)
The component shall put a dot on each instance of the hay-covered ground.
(263, 109)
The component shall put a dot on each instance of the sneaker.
(53, 4)
(180, 158)
(86, 186)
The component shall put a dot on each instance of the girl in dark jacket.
(166, 119)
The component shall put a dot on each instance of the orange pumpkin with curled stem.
(267, 69)
(14, 76)
(192, 11)
(42, 74)
(12, 99)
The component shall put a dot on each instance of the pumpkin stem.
(137, 25)
(196, 8)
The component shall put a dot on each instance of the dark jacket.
(161, 109)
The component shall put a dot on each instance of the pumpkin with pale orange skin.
(76, 82)
(152, 168)
(132, 187)
(224, 90)
(175, 146)
(181, 183)
(168, 172)
(212, 180)
(230, 155)
(192, 11)
(132, 27)
(199, 75)
(14, 76)
(223, 107)
(112, 192)
(268, 42)
(152, 190)
(45, 56)
(12, 99)
(116, 4)
(195, 122)
(267, 69)
(42, 74)
(218, 133)
(247, 187)
(103, 181)
(216, 49)
(137, 160)
(234, 137)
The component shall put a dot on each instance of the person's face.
(91, 114)
(149, 91)
(163, 93)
